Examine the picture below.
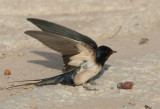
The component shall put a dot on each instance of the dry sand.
(119, 24)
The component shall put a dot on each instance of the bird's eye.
(105, 51)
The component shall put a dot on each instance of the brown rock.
(125, 85)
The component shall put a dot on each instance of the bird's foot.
(92, 83)
(89, 88)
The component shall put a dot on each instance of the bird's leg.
(92, 82)
(87, 87)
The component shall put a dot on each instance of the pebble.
(127, 85)
(7, 72)
(143, 41)
(147, 107)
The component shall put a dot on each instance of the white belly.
(84, 74)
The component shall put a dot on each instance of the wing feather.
(50, 27)
(55, 42)
(74, 53)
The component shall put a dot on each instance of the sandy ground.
(119, 24)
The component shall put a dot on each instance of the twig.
(116, 32)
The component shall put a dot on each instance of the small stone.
(7, 72)
(125, 85)
(120, 85)
(143, 41)
(112, 88)
(132, 104)
(2, 55)
(147, 107)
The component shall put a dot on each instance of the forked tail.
(66, 78)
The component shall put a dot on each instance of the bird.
(82, 58)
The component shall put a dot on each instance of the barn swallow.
(82, 58)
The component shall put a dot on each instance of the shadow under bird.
(82, 58)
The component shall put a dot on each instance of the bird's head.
(103, 53)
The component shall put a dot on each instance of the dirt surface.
(130, 27)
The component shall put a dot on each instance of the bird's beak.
(114, 52)
(110, 54)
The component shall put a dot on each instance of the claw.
(92, 83)
(85, 86)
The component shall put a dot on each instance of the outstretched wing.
(73, 52)
(50, 27)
